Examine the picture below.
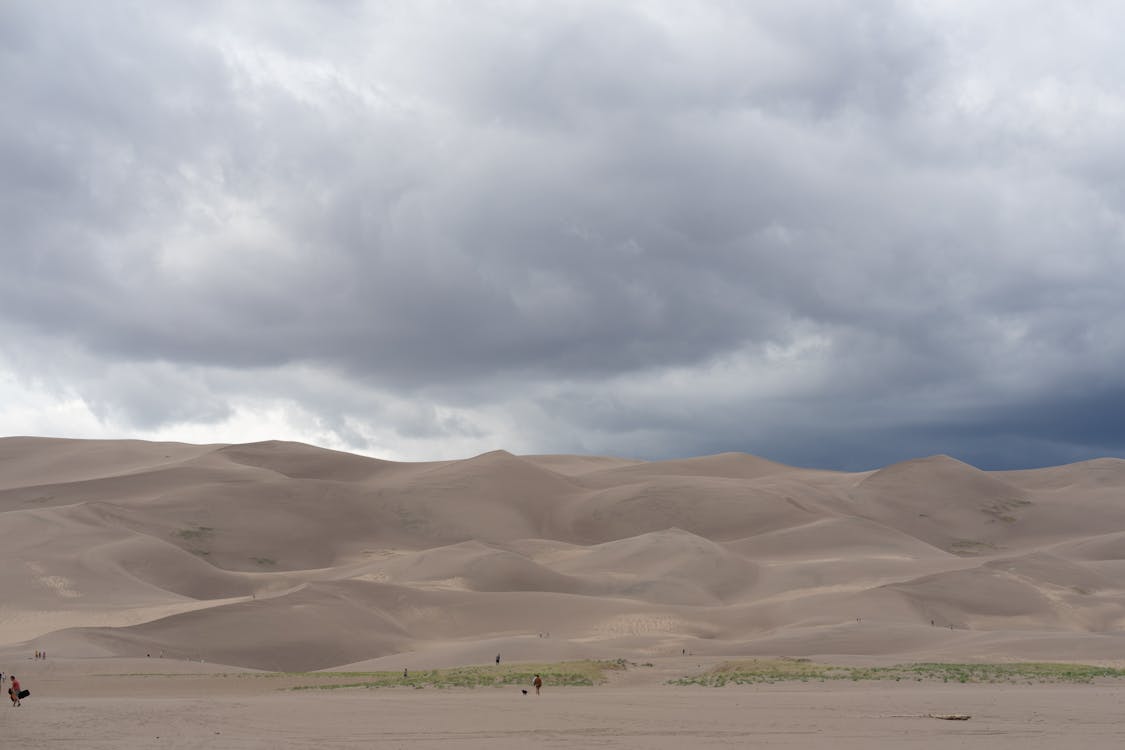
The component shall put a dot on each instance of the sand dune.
(282, 556)
(30, 461)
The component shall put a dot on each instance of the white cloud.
(639, 228)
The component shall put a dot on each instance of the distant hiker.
(404, 673)
(538, 683)
(497, 658)
(14, 690)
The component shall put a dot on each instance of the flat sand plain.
(103, 703)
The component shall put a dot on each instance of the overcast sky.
(834, 234)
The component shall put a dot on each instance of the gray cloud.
(824, 233)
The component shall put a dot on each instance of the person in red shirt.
(14, 691)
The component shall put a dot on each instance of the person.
(404, 673)
(14, 690)
(538, 683)
(497, 658)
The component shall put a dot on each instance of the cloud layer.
(828, 234)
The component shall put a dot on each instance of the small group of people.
(537, 683)
(40, 654)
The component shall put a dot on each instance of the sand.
(286, 557)
(76, 704)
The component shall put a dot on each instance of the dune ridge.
(284, 556)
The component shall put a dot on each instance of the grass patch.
(769, 671)
(1003, 510)
(971, 547)
(571, 673)
(200, 538)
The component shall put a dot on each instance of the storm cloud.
(831, 234)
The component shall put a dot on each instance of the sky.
(832, 234)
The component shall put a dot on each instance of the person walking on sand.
(538, 683)
(14, 690)
(497, 658)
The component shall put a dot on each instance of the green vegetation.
(412, 520)
(1002, 509)
(200, 535)
(971, 547)
(264, 561)
(572, 673)
(803, 670)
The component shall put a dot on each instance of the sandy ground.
(284, 557)
(82, 706)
